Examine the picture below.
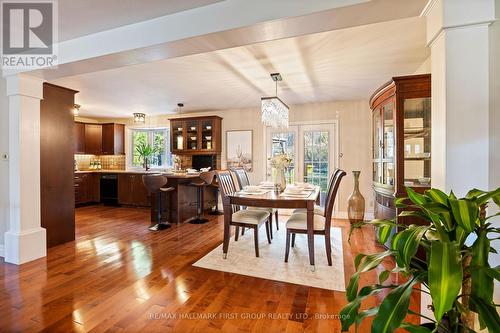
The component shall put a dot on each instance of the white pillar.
(458, 36)
(25, 239)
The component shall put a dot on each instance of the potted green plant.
(146, 152)
(456, 273)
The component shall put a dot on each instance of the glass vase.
(356, 203)
(279, 178)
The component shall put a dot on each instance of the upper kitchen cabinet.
(93, 139)
(99, 139)
(79, 130)
(196, 135)
(113, 139)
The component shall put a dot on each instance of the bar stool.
(210, 178)
(200, 188)
(156, 184)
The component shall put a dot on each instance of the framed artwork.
(239, 150)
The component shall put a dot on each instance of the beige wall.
(4, 167)
(354, 119)
(494, 121)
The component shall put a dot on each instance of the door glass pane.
(316, 158)
(417, 141)
(389, 174)
(207, 128)
(192, 134)
(388, 131)
(376, 135)
(284, 143)
(376, 172)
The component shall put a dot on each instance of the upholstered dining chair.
(297, 223)
(242, 178)
(318, 210)
(242, 217)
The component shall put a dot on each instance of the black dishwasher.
(109, 189)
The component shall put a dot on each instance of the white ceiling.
(336, 65)
(82, 17)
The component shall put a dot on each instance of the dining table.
(273, 198)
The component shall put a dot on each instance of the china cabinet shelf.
(196, 135)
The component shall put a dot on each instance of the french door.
(312, 148)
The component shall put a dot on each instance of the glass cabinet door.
(178, 129)
(192, 134)
(207, 132)
(377, 125)
(388, 172)
(417, 142)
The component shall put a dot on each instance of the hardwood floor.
(119, 277)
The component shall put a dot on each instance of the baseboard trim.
(2, 251)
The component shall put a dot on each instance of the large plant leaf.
(415, 329)
(442, 213)
(438, 196)
(352, 287)
(487, 313)
(465, 213)
(407, 244)
(415, 197)
(363, 314)
(393, 309)
(348, 314)
(445, 276)
(482, 283)
(384, 232)
(373, 260)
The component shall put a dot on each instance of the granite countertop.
(170, 175)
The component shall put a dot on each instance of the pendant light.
(274, 112)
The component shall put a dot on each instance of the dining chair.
(297, 223)
(245, 218)
(318, 210)
(242, 178)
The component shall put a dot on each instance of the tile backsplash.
(108, 162)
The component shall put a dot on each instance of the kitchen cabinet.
(79, 132)
(99, 139)
(113, 137)
(86, 188)
(131, 191)
(93, 139)
(196, 135)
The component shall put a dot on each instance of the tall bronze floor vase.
(356, 203)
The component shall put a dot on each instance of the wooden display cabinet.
(196, 135)
(401, 141)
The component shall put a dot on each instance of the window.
(158, 138)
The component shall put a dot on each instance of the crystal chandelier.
(274, 110)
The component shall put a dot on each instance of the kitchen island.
(178, 206)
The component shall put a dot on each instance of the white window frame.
(168, 153)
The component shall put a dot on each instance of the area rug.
(270, 265)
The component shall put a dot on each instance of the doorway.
(312, 147)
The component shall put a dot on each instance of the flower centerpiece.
(279, 163)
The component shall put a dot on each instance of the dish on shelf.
(424, 180)
(193, 138)
(208, 137)
(193, 128)
(208, 127)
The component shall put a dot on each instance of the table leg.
(227, 234)
(310, 232)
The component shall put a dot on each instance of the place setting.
(298, 190)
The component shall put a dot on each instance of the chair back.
(241, 176)
(226, 187)
(332, 194)
(208, 177)
(154, 182)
